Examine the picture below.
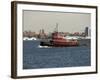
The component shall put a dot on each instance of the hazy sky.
(67, 22)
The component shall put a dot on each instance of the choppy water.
(35, 57)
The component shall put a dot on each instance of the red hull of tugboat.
(65, 43)
(58, 40)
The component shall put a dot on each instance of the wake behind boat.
(39, 46)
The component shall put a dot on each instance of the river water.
(35, 57)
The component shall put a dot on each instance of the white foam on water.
(39, 46)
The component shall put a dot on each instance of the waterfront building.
(42, 34)
(86, 31)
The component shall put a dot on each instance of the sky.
(67, 22)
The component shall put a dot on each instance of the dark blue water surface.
(35, 57)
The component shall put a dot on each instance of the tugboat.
(58, 40)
